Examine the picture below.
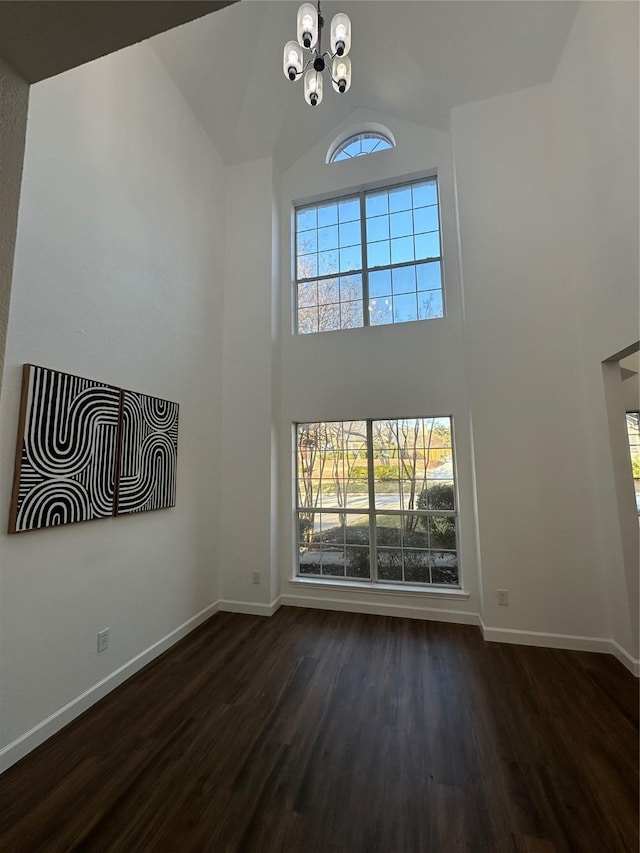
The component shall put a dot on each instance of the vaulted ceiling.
(411, 60)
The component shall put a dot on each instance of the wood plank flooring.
(323, 732)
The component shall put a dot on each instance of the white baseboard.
(249, 608)
(570, 642)
(22, 745)
(631, 663)
(379, 609)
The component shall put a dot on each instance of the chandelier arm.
(301, 74)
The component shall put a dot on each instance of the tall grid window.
(633, 434)
(376, 501)
(369, 259)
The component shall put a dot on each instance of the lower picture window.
(376, 501)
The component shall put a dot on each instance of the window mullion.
(365, 261)
(373, 548)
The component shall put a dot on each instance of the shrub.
(442, 529)
(385, 473)
(358, 472)
(439, 496)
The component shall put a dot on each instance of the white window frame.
(371, 511)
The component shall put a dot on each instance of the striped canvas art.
(148, 454)
(67, 455)
(87, 450)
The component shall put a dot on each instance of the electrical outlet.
(503, 597)
(103, 639)
(255, 577)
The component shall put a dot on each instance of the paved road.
(383, 501)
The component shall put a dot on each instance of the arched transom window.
(359, 145)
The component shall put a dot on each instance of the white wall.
(247, 541)
(535, 511)
(407, 370)
(596, 116)
(547, 183)
(118, 277)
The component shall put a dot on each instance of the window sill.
(384, 588)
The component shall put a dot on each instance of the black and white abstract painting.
(67, 447)
(148, 454)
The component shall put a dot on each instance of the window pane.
(372, 143)
(357, 562)
(401, 224)
(351, 315)
(400, 199)
(427, 245)
(417, 566)
(388, 533)
(306, 219)
(307, 321)
(307, 266)
(377, 228)
(378, 254)
(415, 533)
(376, 203)
(307, 294)
(442, 431)
(327, 262)
(424, 193)
(350, 234)
(307, 242)
(333, 560)
(310, 559)
(389, 564)
(349, 210)
(404, 280)
(442, 532)
(402, 250)
(351, 288)
(327, 238)
(430, 305)
(327, 214)
(328, 290)
(380, 283)
(350, 258)
(439, 496)
(429, 277)
(425, 219)
(405, 308)
(381, 311)
(329, 317)
(444, 567)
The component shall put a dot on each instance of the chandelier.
(295, 64)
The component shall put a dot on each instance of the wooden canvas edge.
(17, 469)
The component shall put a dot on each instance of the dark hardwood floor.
(326, 732)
